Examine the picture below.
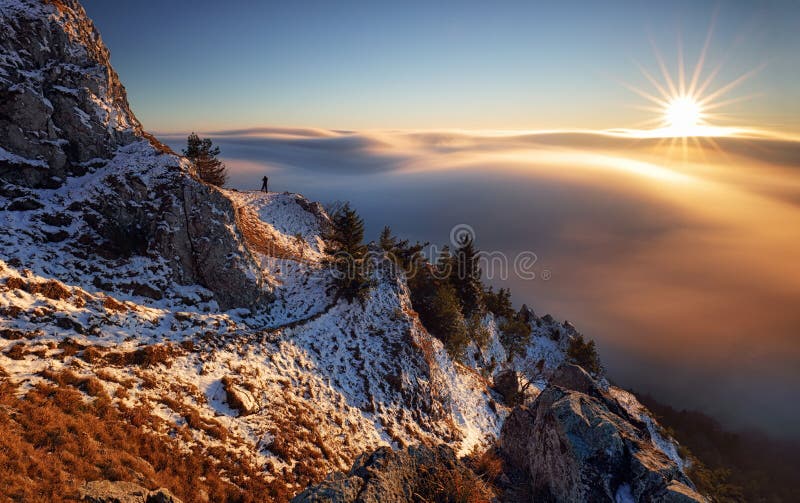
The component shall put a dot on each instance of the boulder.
(386, 476)
(507, 384)
(575, 443)
(239, 398)
(575, 378)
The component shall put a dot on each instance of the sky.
(205, 65)
(679, 257)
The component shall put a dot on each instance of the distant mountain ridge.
(204, 317)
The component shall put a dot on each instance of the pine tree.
(346, 253)
(584, 353)
(202, 153)
(386, 240)
(499, 303)
(445, 264)
(348, 231)
(447, 321)
(515, 335)
(437, 304)
(409, 257)
(466, 277)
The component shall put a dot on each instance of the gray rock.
(507, 384)
(61, 103)
(239, 398)
(576, 444)
(575, 378)
(385, 476)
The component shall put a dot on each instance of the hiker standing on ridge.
(264, 184)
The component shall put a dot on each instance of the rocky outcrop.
(62, 106)
(386, 476)
(507, 384)
(63, 114)
(106, 491)
(576, 443)
(238, 397)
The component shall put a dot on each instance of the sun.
(683, 115)
(685, 106)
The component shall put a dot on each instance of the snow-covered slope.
(315, 374)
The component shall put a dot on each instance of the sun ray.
(681, 70)
(664, 93)
(731, 85)
(731, 101)
(664, 71)
(645, 95)
(717, 148)
(699, 147)
(707, 82)
(646, 108)
(698, 69)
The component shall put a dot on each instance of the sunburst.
(688, 109)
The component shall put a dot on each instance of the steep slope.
(202, 318)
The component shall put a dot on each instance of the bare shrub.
(146, 357)
(112, 304)
(15, 283)
(51, 289)
(17, 351)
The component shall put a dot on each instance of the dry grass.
(196, 421)
(14, 283)
(112, 304)
(257, 236)
(160, 147)
(55, 437)
(297, 437)
(17, 351)
(51, 289)
(487, 463)
(441, 481)
(146, 357)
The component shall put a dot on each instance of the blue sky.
(209, 65)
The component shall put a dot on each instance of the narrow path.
(272, 334)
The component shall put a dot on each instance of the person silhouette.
(265, 184)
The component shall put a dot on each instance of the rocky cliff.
(577, 442)
(72, 150)
(63, 106)
(163, 332)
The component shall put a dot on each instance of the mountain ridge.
(128, 285)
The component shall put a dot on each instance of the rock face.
(576, 443)
(385, 476)
(106, 491)
(239, 398)
(61, 103)
(507, 384)
(65, 122)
